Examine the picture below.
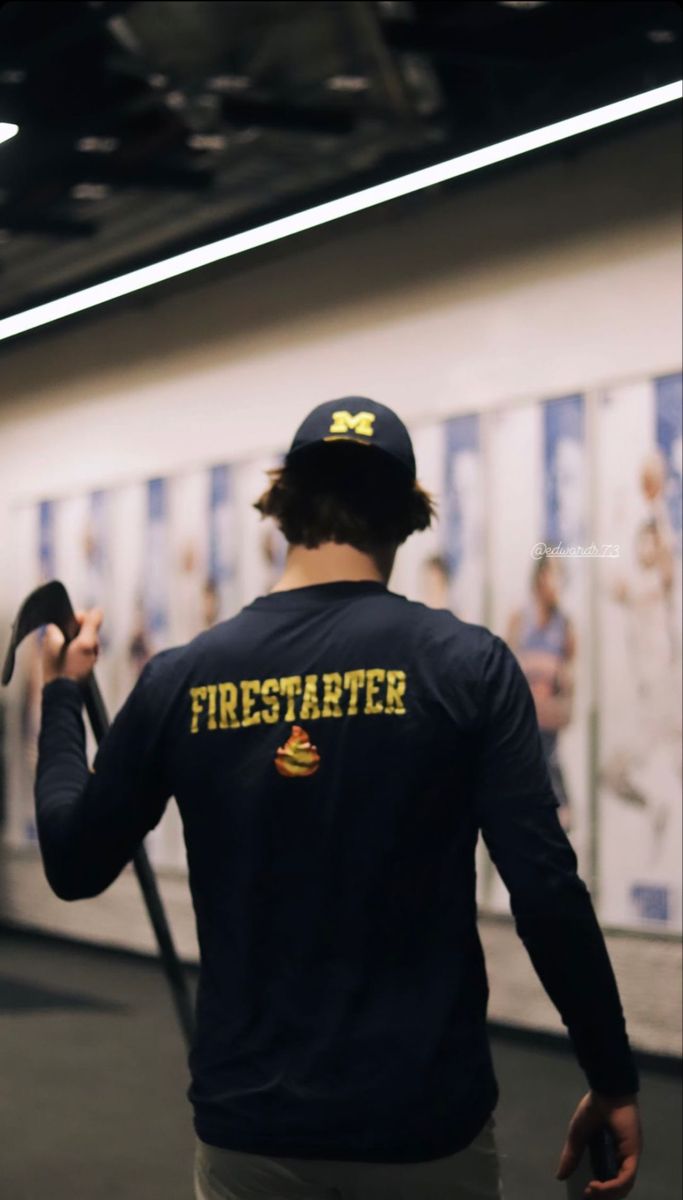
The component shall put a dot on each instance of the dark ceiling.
(149, 127)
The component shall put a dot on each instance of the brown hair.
(346, 493)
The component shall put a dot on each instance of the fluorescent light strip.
(7, 131)
(332, 210)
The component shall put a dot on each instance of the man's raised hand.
(77, 659)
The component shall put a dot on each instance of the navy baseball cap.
(356, 419)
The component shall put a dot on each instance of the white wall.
(558, 277)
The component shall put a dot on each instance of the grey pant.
(471, 1174)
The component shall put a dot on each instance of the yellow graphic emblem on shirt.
(298, 756)
(345, 422)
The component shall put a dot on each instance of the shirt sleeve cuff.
(62, 691)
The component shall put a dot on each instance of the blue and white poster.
(96, 582)
(84, 566)
(221, 586)
(443, 566)
(420, 570)
(96, 554)
(639, 606)
(260, 547)
(189, 539)
(30, 678)
(155, 574)
(552, 638)
(536, 489)
(462, 521)
(151, 634)
(46, 540)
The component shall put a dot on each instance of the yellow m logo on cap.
(346, 422)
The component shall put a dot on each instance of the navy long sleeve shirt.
(334, 751)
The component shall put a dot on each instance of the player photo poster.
(639, 604)
(155, 574)
(443, 566)
(260, 547)
(420, 570)
(462, 525)
(221, 586)
(153, 631)
(188, 508)
(42, 521)
(95, 583)
(536, 513)
(553, 645)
